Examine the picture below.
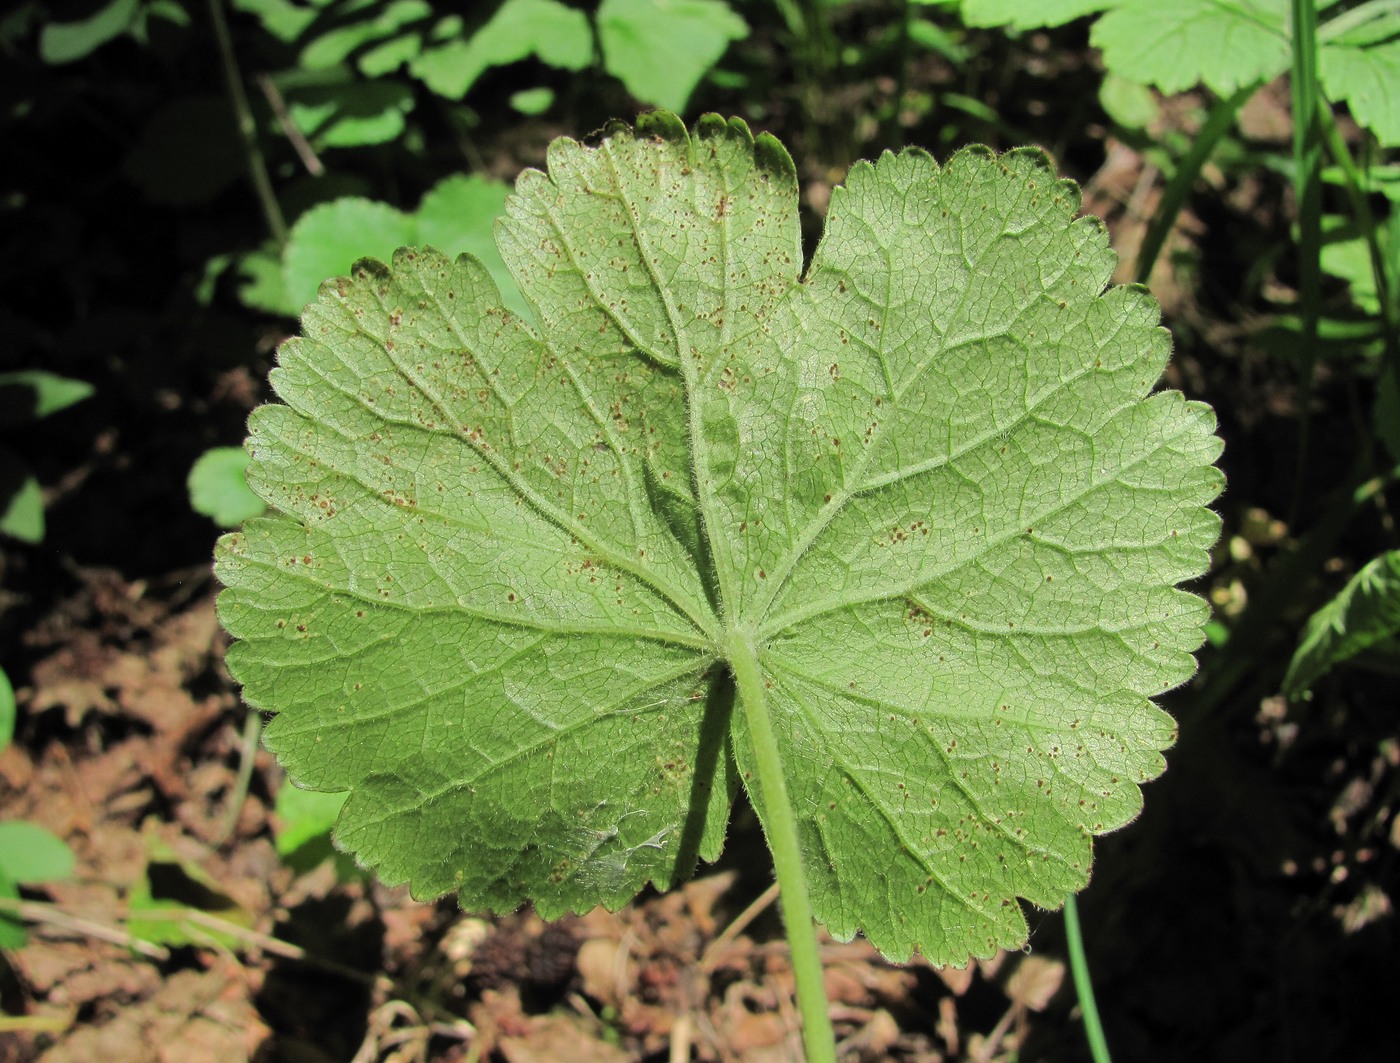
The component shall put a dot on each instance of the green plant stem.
(1079, 970)
(1307, 186)
(1365, 220)
(1219, 122)
(35, 1024)
(817, 1035)
(1357, 16)
(247, 754)
(53, 915)
(247, 127)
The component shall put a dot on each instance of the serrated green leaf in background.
(218, 487)
(1227, 45)
(1364, 613)
(555, 33)
(1368, 79)
(921, 501)
(660, 49)
(1223, 44)
(457, 215)
(1019, 14)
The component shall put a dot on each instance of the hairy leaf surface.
(926, 480)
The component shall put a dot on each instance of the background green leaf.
(21, 500)
(304, 815)
(30, 855)
(12, 932)
(382, 20)
(328, 238)
(1350, 259)
(31, 394)
(1223, 44)
(455, 216)
(559, 35)
(66, 42)
(1129, 103)
(1023, 16)
(219, 488)
(1364, 613)
(532, 101)
(284, 19)
(1366, 79)
(661, 48)
(352, 114)
(1231, 44)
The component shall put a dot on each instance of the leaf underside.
(927, 478)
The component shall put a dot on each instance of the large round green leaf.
(925, 486)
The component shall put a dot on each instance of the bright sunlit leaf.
(927, 481)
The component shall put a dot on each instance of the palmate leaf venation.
(927, 477)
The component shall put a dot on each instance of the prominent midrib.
(725, 577)
(914, 851)
(604, 628)
(818, 606)
(778, 579)
(684, 605)
(550, 736)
